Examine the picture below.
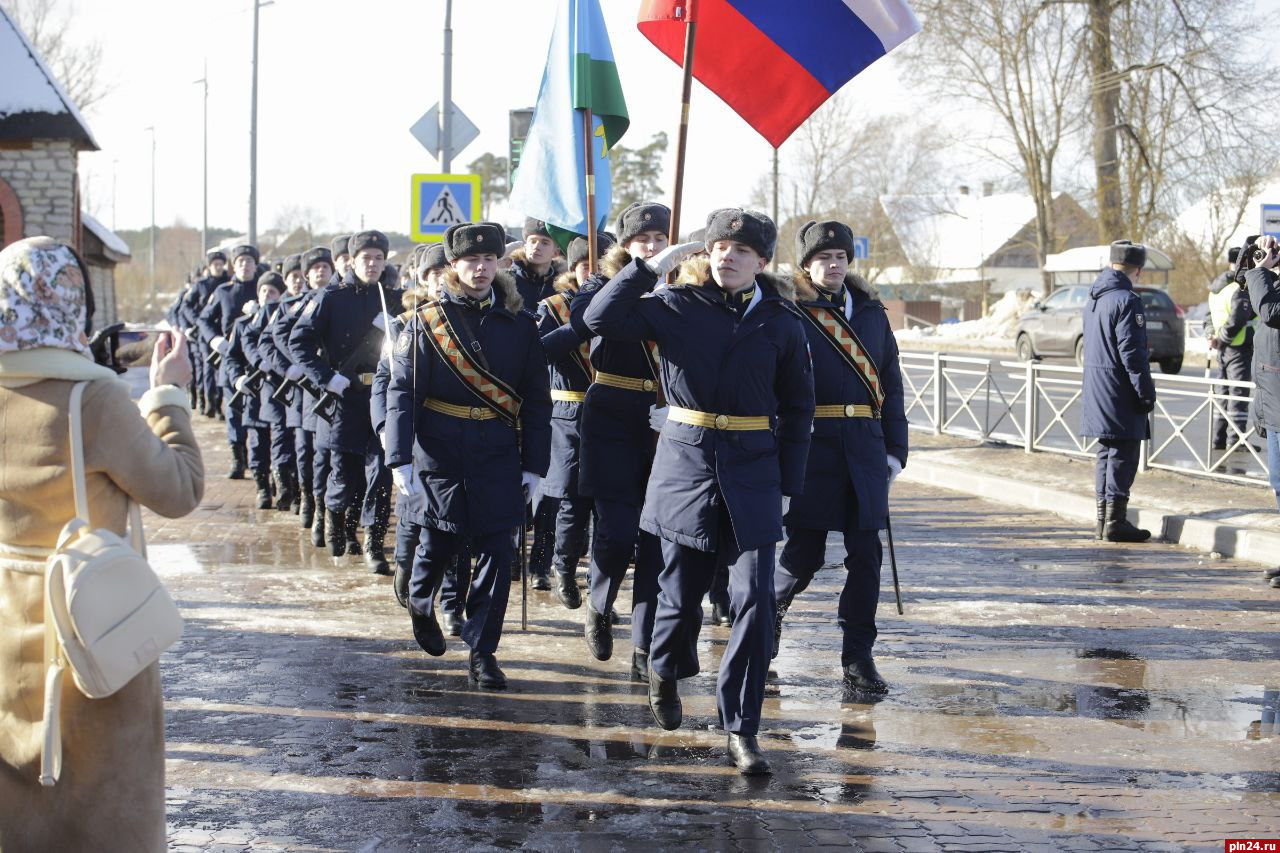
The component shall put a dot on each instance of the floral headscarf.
(42, 297)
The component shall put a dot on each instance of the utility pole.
(776, 223)
(204, 218)
(114, 164)
(151, 255)
(253, 130)
(1105, 95)
(446, 102)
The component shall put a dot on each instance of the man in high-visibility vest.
(1229, 330)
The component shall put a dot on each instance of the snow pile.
(996, 328)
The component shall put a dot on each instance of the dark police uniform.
(737, 376)
(193, 303)
(215, 321)
(846, 485)
(239, 363)
(466, 458)
(1118, 393)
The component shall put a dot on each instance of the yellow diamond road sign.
(439, 201)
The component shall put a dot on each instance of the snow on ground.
(994, 330)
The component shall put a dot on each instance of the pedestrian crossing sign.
(439, 201)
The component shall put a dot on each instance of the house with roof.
(41, 137)
(960, 239)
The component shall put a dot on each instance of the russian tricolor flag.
(776, 62)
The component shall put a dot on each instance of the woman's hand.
(169, 362)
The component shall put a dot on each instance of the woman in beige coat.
(111, 792)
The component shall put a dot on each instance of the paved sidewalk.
(1049, 694)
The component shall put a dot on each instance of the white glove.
(530, 482)
(219, 345)
(239, 383)
(380, 323)
(294, 373)
(338, 385)
(670, 258)
(250, 308)
(409, 486)
(382, 440)
(895, 468)
(658, 418)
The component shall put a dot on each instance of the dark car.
(1055, 326)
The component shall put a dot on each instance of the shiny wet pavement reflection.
(1049, 693)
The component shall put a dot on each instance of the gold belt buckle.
(648, 385)
(850, 410)
(722, 421)
(476, 413)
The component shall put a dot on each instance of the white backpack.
(106, 614)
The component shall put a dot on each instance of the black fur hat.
(1129, 254)
(272, 278)
(640, 217)
(318, 255)
(579, 250)
(814, 237)
(750, 227)
(292, 263)
(474, 238)
(215, 255)
(432, 258)
(368, 240)
(535, 227)
(245, 249)
(390, 276)
(338, 245)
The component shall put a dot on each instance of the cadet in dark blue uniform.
(242, 361)
(346, 323)
(617, 451)
(215, 324)
(1118, 392)
(469, 425)
(737, 377)
(568, 351)
(859, 443)
(192, 304)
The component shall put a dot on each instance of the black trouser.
(1234, 363)
(1116, 466)
(572, 518)
(803, 555)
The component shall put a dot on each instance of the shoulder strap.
(81, 491)
(838, 332)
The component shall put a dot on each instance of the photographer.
(1229, 330)
(1264, 293)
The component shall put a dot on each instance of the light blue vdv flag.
(551, 182)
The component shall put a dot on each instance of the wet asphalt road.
(1050, 693)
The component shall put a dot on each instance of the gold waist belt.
(474, 413)
(846, 411)
(627, 383)
(559, 396)
(710, 421)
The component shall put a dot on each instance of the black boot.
(263, 480)
(1102, 519)
(400, 585)
(719, 613)
(317, 529)
(239, 462)
(664, 701)
(288, 494)
(744, 752)
(453, 623)
(426, 630)
(483, 671)
(599, 634)
(1269, 575)
(353, 525)
(1118, 528)
(375, 556)
(861, 676)
(640, 666)
(307, 509)
(779, 612)
(538, 581)
(337, 523)
(567, 590)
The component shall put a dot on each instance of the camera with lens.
(1251, 254)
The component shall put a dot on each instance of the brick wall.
(43, 177)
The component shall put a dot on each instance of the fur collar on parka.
(698, 270)
(567, 282)
(519, 256)
(806, 292)
(614, 260)
(503, 285)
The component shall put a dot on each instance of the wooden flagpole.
(682, 135)
(589, 150)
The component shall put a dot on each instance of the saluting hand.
(669, 258)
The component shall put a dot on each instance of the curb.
(1205, 535)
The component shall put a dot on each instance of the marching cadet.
(292, 272)
(469, 437)
(347, 324)
(215, 322)
(617, 451)
(338, 247)
(859, 443)
(1118, 393)
(737, 377)
(243, 363)
(194, 302)
(569, 352)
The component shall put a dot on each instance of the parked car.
(1056, 326)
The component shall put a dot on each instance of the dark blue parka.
(1118, 391)
(846, 484)
(470, 469)
(291, 310)
(242, 360)
(195, 299)
(533, 287)
(1264, 293)
(223, 308)
(336, 330)
(617, 443)
(561, 343)
(712, 362)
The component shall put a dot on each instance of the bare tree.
(76, 63)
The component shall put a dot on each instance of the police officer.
(1229, 329)
(859, 443)
(215, 322)
(346, 324)
(568, 351)
(1118, 392)
(257, 412)
(737, 377)
(192, 304)
(617, 450)
(469, 437)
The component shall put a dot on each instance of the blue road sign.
(439, 201)
(861, 248)
(1271, 220)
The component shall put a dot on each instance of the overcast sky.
(340, 83)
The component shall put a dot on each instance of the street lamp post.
(151, 254)
(446, 102)
(253, 130)
(204, 218)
